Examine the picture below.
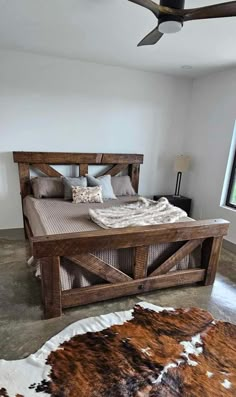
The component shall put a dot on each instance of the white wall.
(208, 139)
(50, 104)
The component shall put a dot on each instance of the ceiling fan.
(171, 16)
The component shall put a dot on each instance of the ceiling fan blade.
(157, 9)
(221, 10)
(152, 38)
(149, 4)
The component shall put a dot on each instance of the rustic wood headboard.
(42, 161)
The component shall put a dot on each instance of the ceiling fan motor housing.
(171, 23)
(173, 3)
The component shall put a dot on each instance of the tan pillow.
(87, 194)
(122, 186)
(47, 187)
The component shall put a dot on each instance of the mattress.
(57, 216)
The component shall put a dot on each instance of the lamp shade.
(182, 163)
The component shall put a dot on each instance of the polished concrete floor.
(22, 330)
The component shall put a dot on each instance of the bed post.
(211, 248)
(83, 169)
(51, 286)
(24, 175)
(133, 172)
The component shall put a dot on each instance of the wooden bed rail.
(77, 247)
(77, 243)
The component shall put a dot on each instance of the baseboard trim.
(16, 234)
(228, 245)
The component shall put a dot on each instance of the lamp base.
(178, 183)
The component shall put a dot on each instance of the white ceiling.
(107, 31)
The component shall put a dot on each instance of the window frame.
(231, 184)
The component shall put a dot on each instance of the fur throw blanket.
(139, 213)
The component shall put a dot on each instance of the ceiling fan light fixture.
(170, 27)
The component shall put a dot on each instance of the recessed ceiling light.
(186, 67)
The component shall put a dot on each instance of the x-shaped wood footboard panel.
(174, 259)
(100, 268)
(109, 273)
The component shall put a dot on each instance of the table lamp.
(181, 165)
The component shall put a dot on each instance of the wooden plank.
(83, 169)
(24, 176)
(141, 258)
(210, 257)
(28, 233)
(47, 170)
(76, 158)
(174, 259)
(100, 268)
(83, 296)
(133, 172)
(57, 158)
(71, 244)
(25, 188)
(114, 158)
(51, 288)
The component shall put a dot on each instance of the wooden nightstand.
(182, 202)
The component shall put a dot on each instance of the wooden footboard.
(207, 235)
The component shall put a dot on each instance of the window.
(231, 194)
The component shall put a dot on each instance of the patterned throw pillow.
(87, 194)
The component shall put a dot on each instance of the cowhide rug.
(145, 352)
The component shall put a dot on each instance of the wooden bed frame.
(77, 246)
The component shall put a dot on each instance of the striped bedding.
(56, 216)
